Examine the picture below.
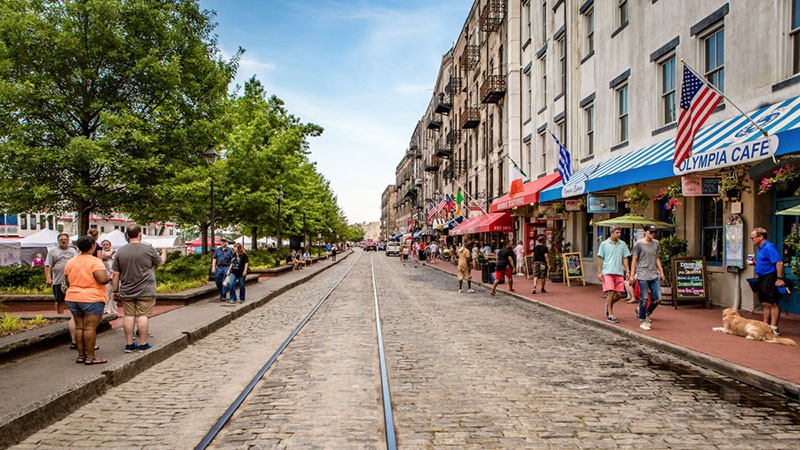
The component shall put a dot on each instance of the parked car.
(370, 246)
(381, 246)
(393, 248)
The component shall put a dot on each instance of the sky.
(364, 70)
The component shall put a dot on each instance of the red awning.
(485, 223)
(528, 196)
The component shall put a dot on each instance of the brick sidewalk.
(688, 326)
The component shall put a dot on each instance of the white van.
(393, 248)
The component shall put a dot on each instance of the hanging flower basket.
(674, 196)
(733, 186)
(783, 180)
(636, 200)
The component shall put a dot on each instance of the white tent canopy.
(164, 241)
(116, 237)
(42, 238)
(244, 240)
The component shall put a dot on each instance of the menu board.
(689, 279)
(529, 267)
(573, 267)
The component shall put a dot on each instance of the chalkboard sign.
(573, 267)
(529, 267)
(711, 185)
(689, 282)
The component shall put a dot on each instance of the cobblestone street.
(466, 371)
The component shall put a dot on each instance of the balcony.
(443, 104)
(471, 117)
(411, 194)
(493, 89)
(447, 173)
(492, 15)
(459, 166)
(433, 124)
(470, 57)
(432, 165)
(413, 152)
(444, 148)
(454, 137)
(454, 86)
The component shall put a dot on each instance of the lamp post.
(280, 199)
(211, 157)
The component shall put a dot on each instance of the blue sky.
(363, 70)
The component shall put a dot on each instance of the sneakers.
(533, 291)
(510, 289)
(470, 290)
(144, 347)
(232, 302)
(131, 348)
(492, 292)
(241, 301)
(612, 319)
(775, 330)
(544, 291)
(645, 326)
(460, 291)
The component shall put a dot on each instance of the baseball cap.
(650, 228)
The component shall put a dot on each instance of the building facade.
(388, 218)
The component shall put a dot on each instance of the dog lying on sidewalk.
(733, 323)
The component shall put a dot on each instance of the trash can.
(485, 271)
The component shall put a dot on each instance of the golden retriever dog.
(733, 323)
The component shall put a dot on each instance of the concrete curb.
(759, 380)
(16, 426)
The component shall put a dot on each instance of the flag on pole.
(698, 101)
(440, 207)
(459, 201)
(431, 213)
(564, 160)
(450, 204)
(517, 179)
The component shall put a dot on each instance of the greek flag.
(564, 161)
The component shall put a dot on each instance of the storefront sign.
(730, 155)
(573, 205)
(572, 190)
(734, 242)
(694, 186)
(689, 282)
(601, 204)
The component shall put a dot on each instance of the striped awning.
(728, 143)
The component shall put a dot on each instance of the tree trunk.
(254, 237)
(204, 237)
(84, 211)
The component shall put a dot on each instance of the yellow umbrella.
(634, 219)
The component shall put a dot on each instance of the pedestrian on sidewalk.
(611, 270)
(238, 271)
(107, 256)
(433, 249)
(646, 270)
(219, 266)
(770, 272)
(134, 284)
(333, 253)
(464, 268)
(504, 268)
(539, 265)
(519, 251)
(86, 277)
(57, 259)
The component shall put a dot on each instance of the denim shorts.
(84, 308)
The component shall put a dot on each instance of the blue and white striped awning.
(655, 162)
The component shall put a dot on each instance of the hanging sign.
(734, 242)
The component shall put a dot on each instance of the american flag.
(564, 160)
(431, 213)
(442, 204)
(698, 101)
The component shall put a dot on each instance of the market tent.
(116, 237)
(10, 252)
(167, 242)
(38, 242)
(244, 240)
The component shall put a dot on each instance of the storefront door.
(784, 226)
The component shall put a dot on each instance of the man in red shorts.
(612, 268)
(505, 267)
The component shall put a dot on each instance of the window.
(33, 221)
(50, 225)
(589, 31)
(526, 97)
(490, 134)
(588, 245)
(711, 216)
(795, 34)
(622, 113)
(490, 184)
(500, 185)
(526, 17)
(668, 95)
(528, 163)
(171, 232)
(622, 12)
(562, 64)
(102, 229)
(589, 115)
(543, 142)
(562, 132)
(715, 59)
(544, 21)
(23, 221)
(543, 87)
(500, 128)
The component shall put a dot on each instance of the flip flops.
(93, 361)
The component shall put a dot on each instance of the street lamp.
(211, 157)
(280, 199)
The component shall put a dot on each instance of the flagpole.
(722, 94)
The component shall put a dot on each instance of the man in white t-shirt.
(519, 251)
(434, 251)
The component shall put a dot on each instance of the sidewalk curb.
(759, 380)
(17, 426)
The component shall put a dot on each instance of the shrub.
(19, 276)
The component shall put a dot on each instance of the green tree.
(101, 101)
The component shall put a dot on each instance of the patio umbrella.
(793, 211)
(633, 219)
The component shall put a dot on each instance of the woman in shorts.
(86, 298)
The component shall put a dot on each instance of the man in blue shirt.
(219, 265)
(769, 269)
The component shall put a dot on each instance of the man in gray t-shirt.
(647, 271)
(134, 283)
(57, 259)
